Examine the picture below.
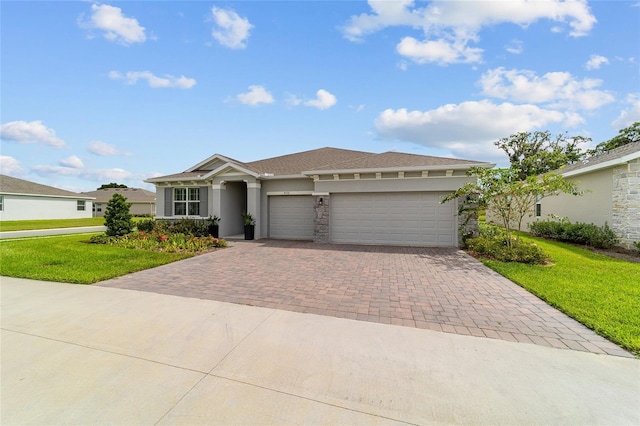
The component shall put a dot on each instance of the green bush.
(578, 233)
(117, 217)
(636, 244)
(146, 225)
(492, 243)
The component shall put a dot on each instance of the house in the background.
(143, 202)
(612, 182)
(326, 195)
(24, 200)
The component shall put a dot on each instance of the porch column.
(253, 205)
(214, 203)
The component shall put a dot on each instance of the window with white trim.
(186, 201)
(1, 203)
(538, 206)
(81, 205)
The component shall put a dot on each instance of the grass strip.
(600, 292)
(27, 225)
(70, 259)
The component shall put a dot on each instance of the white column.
(253, 205)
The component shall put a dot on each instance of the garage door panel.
(291, 217)
(403, 218)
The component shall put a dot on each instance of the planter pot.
(214, 231)
(249, 231)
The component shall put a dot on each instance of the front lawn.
(601, 292)
(25, 225)
(70, 259)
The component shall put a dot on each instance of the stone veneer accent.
(321, 221)
(625, 215)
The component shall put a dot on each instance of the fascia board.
(603, 165)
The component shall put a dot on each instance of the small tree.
(117, 217)
(510, 198)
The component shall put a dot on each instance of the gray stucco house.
(612, 182)
(143, 202)
(325, 195)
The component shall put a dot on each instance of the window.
(81, 205)
(538, 206)
(1, 203)
(186, 201)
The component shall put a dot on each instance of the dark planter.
(249, 231)
(214, 231)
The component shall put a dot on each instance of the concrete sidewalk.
(74, 354)
(55, 231)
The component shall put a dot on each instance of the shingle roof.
(295, 164)
(133, 195)
(12, 185)
(605, 157)
(332, 159)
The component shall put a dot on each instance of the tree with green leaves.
(532, 154)
(117, 216)
(508, 196)
(625, 136)
(112, 185)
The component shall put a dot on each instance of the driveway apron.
(441, 289)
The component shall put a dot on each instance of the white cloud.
(515, 47)
(104, 149)
(72, 161)
(467, 129)
(596, 61)
(292, 100)
(167, 81)
(449, 26)
(230, 29)
(323, 100)
(557, 89)
(439, 51)
(115, 25)
(30, 132)
(97, 175)
(10, 166)
(630, 115)
(255, 96)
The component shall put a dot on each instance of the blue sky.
(96, 92)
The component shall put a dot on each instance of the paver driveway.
(440, 289)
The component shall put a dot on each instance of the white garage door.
(404, 218)
(291, 217)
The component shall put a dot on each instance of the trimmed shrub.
(492, 243)
(146, 225)
(577, 233)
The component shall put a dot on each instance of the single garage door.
(399, 218)
(291, 217)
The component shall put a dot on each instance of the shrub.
(577, 233)
(117, 217)
(636, 244)
(492, 242)
(146, 225)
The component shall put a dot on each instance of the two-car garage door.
(399, 218)
(395, 218)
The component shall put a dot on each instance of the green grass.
(600, 292)
(24, 225)
(69, 259)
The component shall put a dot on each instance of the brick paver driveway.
(432, 288)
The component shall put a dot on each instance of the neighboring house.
(24, 200)
(142, 202)
(612, 180)
(325, 195)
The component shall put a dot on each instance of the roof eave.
(24, 194)
(603, 165)
(400, 169)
